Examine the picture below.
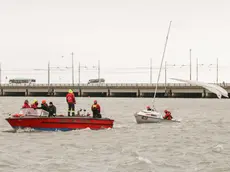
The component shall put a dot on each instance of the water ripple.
(199, 142)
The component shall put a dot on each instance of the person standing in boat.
(96, 109)
(26, 104)
(168, 115)
(70, 99)
(34, 104)
(52, 110)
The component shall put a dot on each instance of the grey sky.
(119, 33)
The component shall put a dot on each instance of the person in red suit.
(26, 104)
(70, 99)
(168, 115)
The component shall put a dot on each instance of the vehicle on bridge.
(22, 81)
(93, 81)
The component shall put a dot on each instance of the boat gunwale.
(60, 117)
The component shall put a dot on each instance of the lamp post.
(151, 69)
(166, 66)
(197, 68)
(190, 59)
(48, 74)
(72, 69)
(79, 72)
(98, 68)
(79, 75)
(0, 73)
(85, 67)
(217, 70)
(165, 74)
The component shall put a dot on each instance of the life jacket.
(168, 116)
(96, 107)
(70, 98)
(26, 105)
(34, 105)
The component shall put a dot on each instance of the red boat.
(38, 119)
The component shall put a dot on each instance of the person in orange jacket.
(168, 115)
(70, 99)
(96, 109)
(44, 106)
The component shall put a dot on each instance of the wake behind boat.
(38, 119)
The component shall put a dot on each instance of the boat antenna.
(162, 59)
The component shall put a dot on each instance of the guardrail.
(106, 85)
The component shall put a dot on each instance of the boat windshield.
(33, 112)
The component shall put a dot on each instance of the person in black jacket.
(52, 110)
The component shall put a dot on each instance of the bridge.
(109, 90)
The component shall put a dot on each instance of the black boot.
(68, 113)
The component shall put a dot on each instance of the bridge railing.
(106, 85)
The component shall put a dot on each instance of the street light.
(85, 67)
(190, 54)
(197, 66)
(79, 72)
(166, 66)
(72, 69)
(151, 68)
(0, 73)
(217, 69)
(59, 68)
(48, 74)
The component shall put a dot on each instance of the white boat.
(152, 116)
(148, 116)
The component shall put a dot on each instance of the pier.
(182, 90)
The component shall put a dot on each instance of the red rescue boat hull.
(60, 123)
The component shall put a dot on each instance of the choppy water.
(199, 143)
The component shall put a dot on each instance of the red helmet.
(148, 107)
(166, 111)
(95, 101)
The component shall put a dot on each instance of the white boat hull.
(146, 116)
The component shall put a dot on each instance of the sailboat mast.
(161, 62)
